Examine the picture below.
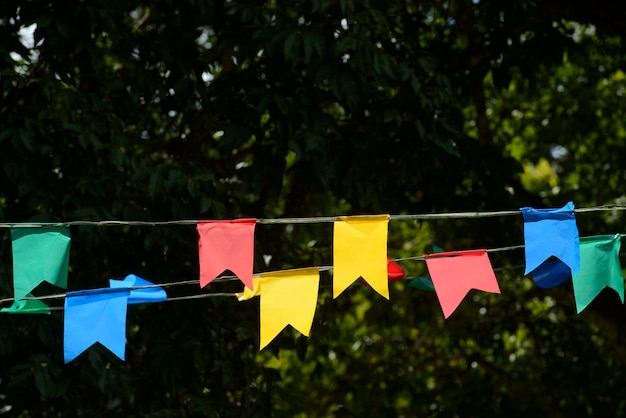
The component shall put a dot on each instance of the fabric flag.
(455, 273)
(599, 268)
(551, 232)
(551, 273)
(92, 316)
(288, 297)
(394, 271)
(147, 295)
(425, 282)
(226, 245)
(27, 306)
(248, 294)
(39, 254)
(360, 250)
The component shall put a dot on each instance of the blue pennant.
(146, 295)
(92, 316)
(551, 274)
(551, 232)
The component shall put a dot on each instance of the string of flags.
(554, 254)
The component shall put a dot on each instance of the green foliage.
(161, 110)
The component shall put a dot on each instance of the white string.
(60, 308)
(309, 220)
(450, 215)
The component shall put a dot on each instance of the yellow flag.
(249, 294)
(287, 297)
(360, 250)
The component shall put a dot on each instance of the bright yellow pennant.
(360, 250)
(249, 294)
(288, 297)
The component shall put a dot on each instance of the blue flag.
(147, 295)
(92, 316)
(551, 232)
(551, 274)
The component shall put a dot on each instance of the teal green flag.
(27, 306)
(599, 268)
(423, 283)
(39, 254)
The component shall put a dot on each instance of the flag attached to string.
(27, 306)
(551, 273)
(395, 272)
(247, 293)
(39, 254)
(95, 316)
(455, 273)
(599, 268)
(551, 232)
(424, 282)
(226, 245)
(360, 250)
(288, 297)
(147, 295)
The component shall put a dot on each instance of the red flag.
(226, 245)
(394, 271)
(455, 273)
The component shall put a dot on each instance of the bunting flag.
(360, 250)
(93, 316)
(551, 273)
(226, 245)
(147, 295)
(288, 297)
(39, 254)
(249, 294)
(394, 271)
(425, 282)
(455, 273)
(27, 306)
(599, 268)
(551, 232)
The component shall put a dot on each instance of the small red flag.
(394, 271)
(226, 245)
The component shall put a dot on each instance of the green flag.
(423, 283)
(39, 254)
(27, 306)
(599, 268)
